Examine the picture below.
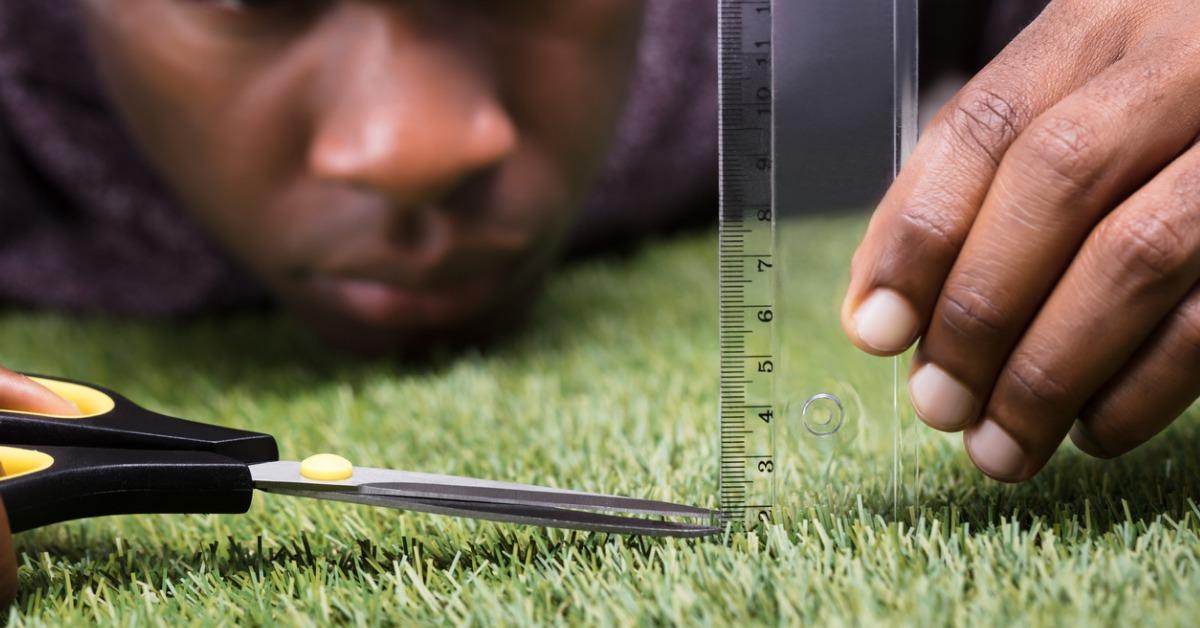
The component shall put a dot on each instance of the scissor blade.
(544, 499)
(388, 482)
(514, 513)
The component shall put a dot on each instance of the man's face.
(394, 170)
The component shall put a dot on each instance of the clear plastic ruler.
(817, 110)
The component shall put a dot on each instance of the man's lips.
(387, 304)
(416, 288)
(417, 271)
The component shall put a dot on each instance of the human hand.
(1044, 241)
(20, 393)
(8, 562)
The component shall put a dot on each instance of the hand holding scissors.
(119, 458)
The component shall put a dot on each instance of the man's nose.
(407, 116)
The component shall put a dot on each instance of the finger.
(1158, 385)
(1134, 269)
(918, 229)
(1072, 165)
(8, 560)
(22, 394)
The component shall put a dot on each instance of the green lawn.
(611, 389)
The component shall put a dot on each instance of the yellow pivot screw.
(326, 468)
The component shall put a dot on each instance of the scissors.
(120, 458)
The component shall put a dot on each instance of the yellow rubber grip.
(91, 402)
(17, 462)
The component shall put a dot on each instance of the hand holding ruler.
(817, 111)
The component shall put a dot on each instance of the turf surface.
(612, 389)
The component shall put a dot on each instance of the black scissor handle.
(123, 424)
(65, 483)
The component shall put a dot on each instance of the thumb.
(8, 562)
(20, 393)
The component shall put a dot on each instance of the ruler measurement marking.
(746, 257)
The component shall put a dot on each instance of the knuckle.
(1037, 383)
(928, 227)
(1187, 321)
(986, 120)
(1144, 250)
(1065, 147)
(1185, 190)
(972, 313)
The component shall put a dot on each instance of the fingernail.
(1085, 443)
(940, 400)
(994, 451)
(886, 322)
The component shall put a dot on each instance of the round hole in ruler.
(823, 415)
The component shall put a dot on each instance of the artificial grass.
(612, 388)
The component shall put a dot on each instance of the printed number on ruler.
(747, 265)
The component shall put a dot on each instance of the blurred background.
(836, 98)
